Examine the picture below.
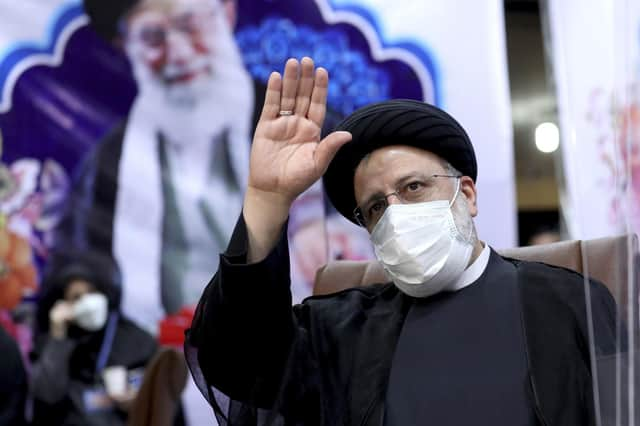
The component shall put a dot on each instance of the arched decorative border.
(417, 56)
(70, 17)
(50, 51)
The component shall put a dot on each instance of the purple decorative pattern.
(359, 82)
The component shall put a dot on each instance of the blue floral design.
(355, 81)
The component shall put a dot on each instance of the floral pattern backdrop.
(615, 122)
(267, 46)
(596, 63)
(32, 193)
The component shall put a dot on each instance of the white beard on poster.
(189, 117)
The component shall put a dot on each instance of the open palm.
(287, 155)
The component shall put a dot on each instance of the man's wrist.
(268, 210)
(265, 213)
(59, 331)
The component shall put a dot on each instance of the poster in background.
(595, 52)
(120, 142)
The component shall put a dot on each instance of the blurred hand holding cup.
(115, 381)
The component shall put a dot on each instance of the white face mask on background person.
(90, 311)
(420, 247)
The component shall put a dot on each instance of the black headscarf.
(395, 122)
(99, 270)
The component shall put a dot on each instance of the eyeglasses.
(415, 190)
(154, 33)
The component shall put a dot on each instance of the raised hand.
(287, 155)
(59, 317)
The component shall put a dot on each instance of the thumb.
(328, 147)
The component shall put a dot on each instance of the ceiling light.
(547, 137)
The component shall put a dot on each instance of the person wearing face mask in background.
(80, 336)
(459, 336)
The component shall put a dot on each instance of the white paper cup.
(115, 380)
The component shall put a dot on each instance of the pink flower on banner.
(617, 131)
(628, 143)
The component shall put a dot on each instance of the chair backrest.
(164, 380)
(605, 259)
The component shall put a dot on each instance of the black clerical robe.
(460, 357)
(327, 361)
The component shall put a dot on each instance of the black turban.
(106, 14)
(395, 122)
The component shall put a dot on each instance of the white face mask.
(420, 247)
(90, 311)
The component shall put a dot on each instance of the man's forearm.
(245, 310)
(264, 215)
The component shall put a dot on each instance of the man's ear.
(468, 188)
(231, 12)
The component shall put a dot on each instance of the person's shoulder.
(111, 142)
(336, 313)
(104, 154)
(364, 296)
(131, 332)
(543, 278)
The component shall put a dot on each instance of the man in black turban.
(459, 336)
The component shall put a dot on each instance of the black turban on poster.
(106, 14)
(395, 122)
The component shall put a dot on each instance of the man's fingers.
(289, 86)
(305, 86)
(318, 106)
(327, 148)
(271, 106)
